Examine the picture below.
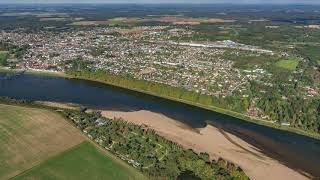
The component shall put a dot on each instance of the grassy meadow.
(290, 64)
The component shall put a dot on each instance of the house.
(101, 122)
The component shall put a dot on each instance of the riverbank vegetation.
(155, 156)
(235, 103)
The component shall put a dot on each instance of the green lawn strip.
(84, 161)
(290, 64)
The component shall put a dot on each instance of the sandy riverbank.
(213, 141)
(59, 105)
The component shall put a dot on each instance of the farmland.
(84, 161)
(181, 20)
(89, 23)
(25, 133)
(35, 140)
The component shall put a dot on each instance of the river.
(296, 151)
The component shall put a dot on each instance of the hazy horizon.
(159, 2)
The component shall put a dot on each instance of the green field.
(3, 57)
(41, 144)
(290, 64)
(84, 161)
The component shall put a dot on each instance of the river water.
(296, 151)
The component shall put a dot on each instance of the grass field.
(40, 144)
(84, 161)
(290, 64)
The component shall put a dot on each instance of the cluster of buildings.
(150, 53)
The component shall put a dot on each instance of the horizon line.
(150, 3)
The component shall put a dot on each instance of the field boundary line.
(49, 158)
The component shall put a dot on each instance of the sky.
(167, 1)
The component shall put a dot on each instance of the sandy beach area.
(215, 142)
(59, 105)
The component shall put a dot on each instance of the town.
(147, 53)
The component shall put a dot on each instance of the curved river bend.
(296, 151)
